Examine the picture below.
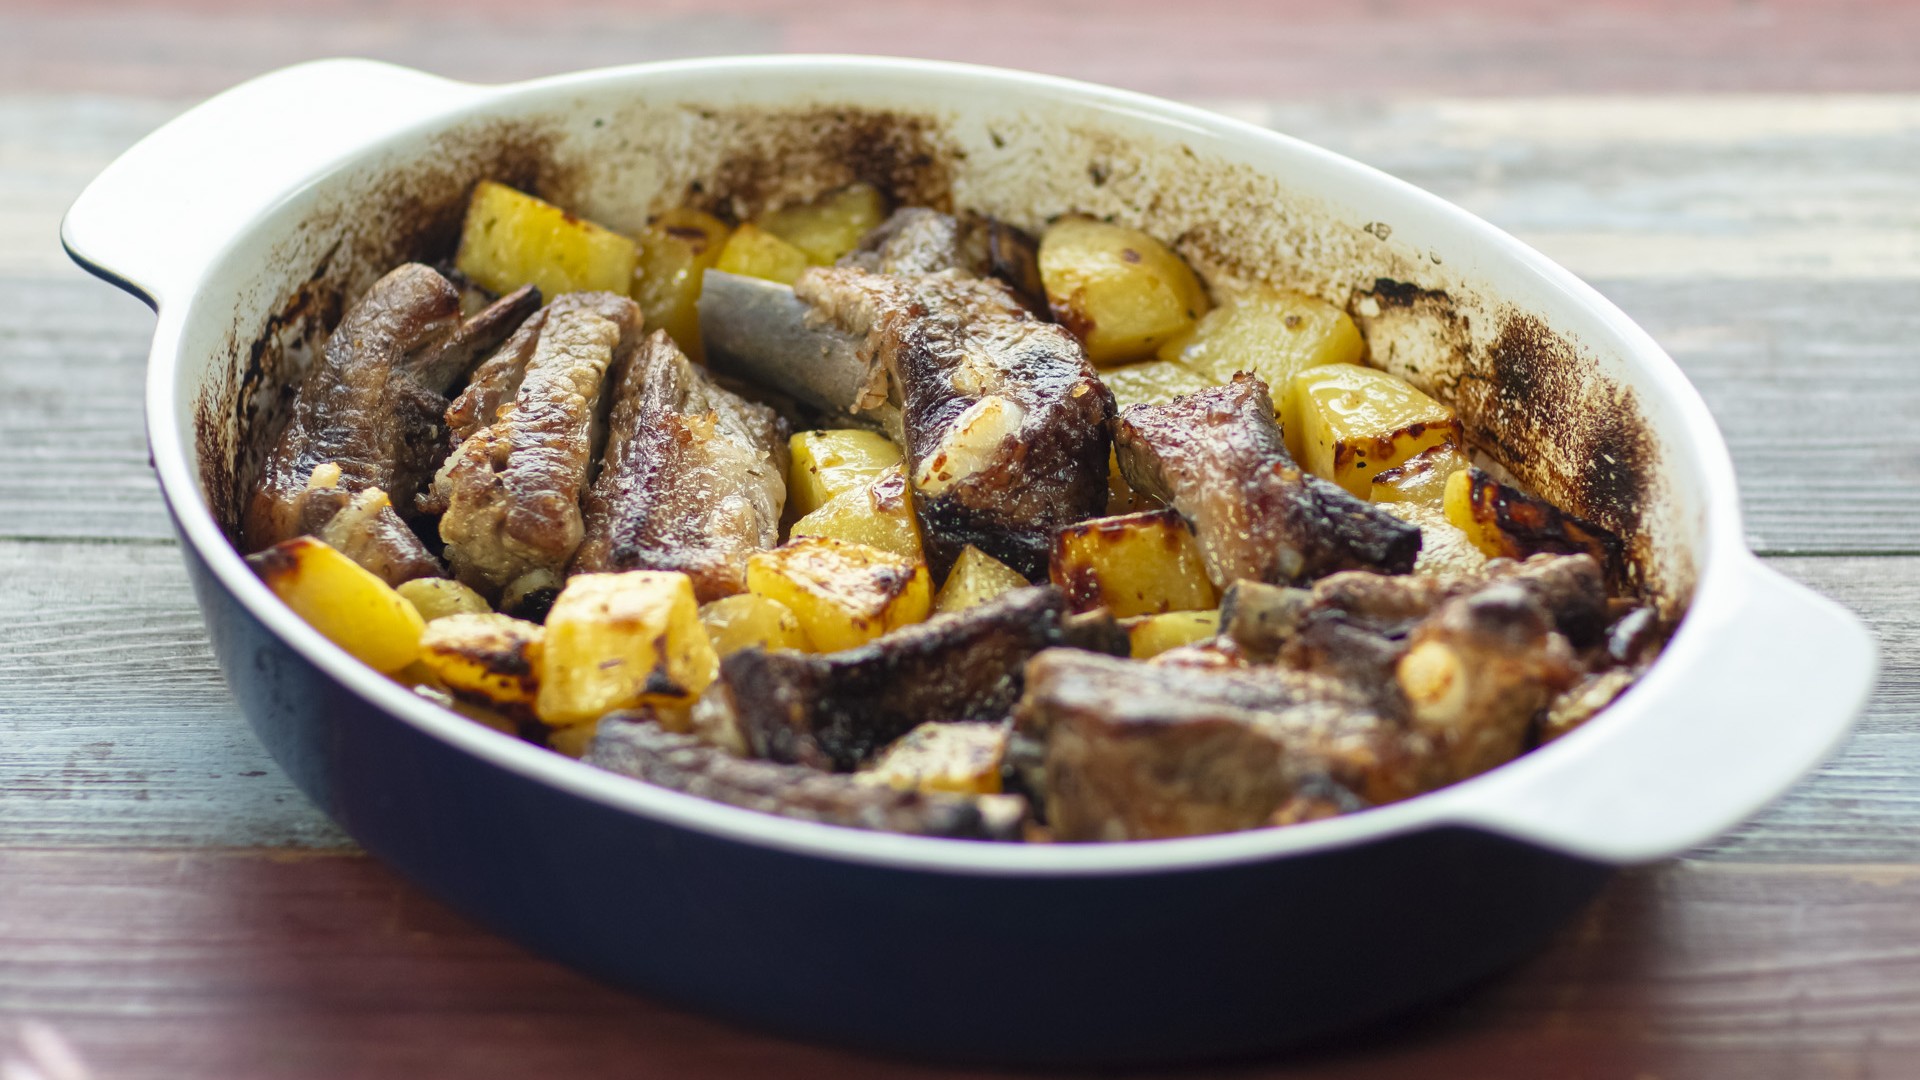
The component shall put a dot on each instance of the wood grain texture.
(266, 966)
(1289, 48)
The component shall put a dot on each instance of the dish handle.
(157, 217)
(1757, 688)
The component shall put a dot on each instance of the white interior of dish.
(627, 141)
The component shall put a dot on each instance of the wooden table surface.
(1741, 177)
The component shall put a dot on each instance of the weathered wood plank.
(250, 964)
(1213, 47)
(116, 731)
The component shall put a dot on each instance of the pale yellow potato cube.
(345, 602)
(754, 252)
(1420, 479)
(510, 239)
(830, 463)
(676, 249)
(1120, 291)
(1152, 635)
(1351, 423)
(486, 659)
(437, 598)
(976, 578)
(963, 758)
(844, 595)
(878, 514)
(618, 641)
(1134, 564)
(831, 225)
(1273, 333)
(746, 621)
(1153, 382)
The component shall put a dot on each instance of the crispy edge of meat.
(643, 750)
(1217, 456)
(693, 477)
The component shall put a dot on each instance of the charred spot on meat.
(635, 746)
(1217, 457)
(693, 477)
(833, 711)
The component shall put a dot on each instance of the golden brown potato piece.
(1348, 423)
(1134, 564)
(831, 225)
(843, 594)
(1152, 382)
(754, 252)
(878, 514)
(833, 462)
(1152, 635)
(1273, 333)
(976, 578)
(1504, 522)
(510, 239)
(1120, 291)
(1421, 479)
(490, 660)
(345, 602)
(747, 620)
(958, 757)
(676, 249)
(437, 598)
(619, 641)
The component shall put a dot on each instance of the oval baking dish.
(249, 221)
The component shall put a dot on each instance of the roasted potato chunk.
(1348, 423)
(676, 248)
(843, 594)
(1421, 479)
(1273, 333)
(957, 757)
(437, 598)
(1120, 291)
(1134, 564)
(1505, 522)
(1153, 382)
(345, 602)
(831, 225)
(830, 463)
(878, 514)
(746, 621)
(618, 641)
(512, 239)
(976, 578)
(754, 252)
(490, 660)
(1152, 635)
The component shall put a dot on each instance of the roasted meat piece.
(833, 711)
(365, 528)
(510, 494)
(1138, 751)
(693, 478)
(1217, 457)
(636, 747)
(1005, 421)
(371, 406)
(918, 240)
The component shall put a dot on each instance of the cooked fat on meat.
(511, 492)
(834, 711)
(1005, 420)
(632, 746)
(693, 477)
(371, 406)
(365, 528)
(1217, 457)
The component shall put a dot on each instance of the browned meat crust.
(693, 478)
(917, 240)
(834, 711)
(1383, 686)
(645, 751)
(1005, 420)
(372, 404)
(1218, 458)
(366, 529)
(512, 491)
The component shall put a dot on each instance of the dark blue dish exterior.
(1126, 968)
